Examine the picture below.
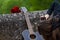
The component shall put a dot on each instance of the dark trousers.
(54, 26)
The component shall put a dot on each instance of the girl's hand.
(46, 16)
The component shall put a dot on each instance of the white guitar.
(30, 34)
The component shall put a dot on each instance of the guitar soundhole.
(32, 36)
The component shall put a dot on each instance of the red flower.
(15, 9)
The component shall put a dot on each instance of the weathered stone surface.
(12, 25)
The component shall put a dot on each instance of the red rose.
(15, 9)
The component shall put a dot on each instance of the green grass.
(32, 5)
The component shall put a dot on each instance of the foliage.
(32, 5)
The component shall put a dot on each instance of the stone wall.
(12, 25)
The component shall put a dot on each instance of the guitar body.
(26, 35)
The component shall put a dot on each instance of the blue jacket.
(55, 8)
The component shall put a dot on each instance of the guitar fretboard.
(29, 25)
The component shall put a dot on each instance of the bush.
(31, 5)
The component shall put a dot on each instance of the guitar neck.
(28, 23)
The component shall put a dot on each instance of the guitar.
(30, 34)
